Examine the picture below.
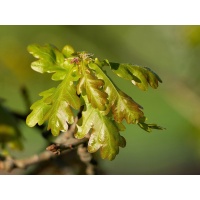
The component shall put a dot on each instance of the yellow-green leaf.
(50, 60)
(122, 106)
(56, 106)
(104, 133)
(139, 76)
(125, 108)
(93, 87)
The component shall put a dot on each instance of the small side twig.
(57, 149)
(9, 163)
(65, 142)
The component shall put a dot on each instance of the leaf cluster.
(10, 135)
(84, 83)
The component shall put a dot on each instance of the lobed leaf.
(122, 106)
(56, 106)
(85, 83)
(93, 87)
(50, 60)
(104, 132)
(125, 108)
(139, 76)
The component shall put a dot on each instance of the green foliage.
(10, 135)
(85, 83)
(104, 132)
(139, 76)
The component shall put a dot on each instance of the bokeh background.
(173, 52)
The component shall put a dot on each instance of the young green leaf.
(68, 51)
(93, 87)
(85, 83)
(104, 132)
(139, 76)
(122, 106)
(51, 60)
(56, 105)
(125, 108)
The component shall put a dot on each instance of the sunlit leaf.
(50, 60)
(122, 106)
(85, 83)
(68, 51)
(93, 87)
(139, 76)
(104, 133)
(56, 106)
(125, 108)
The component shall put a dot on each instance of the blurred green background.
(173, 52)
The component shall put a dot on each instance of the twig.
(57, 149)
(8, 163)
(64, 142)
